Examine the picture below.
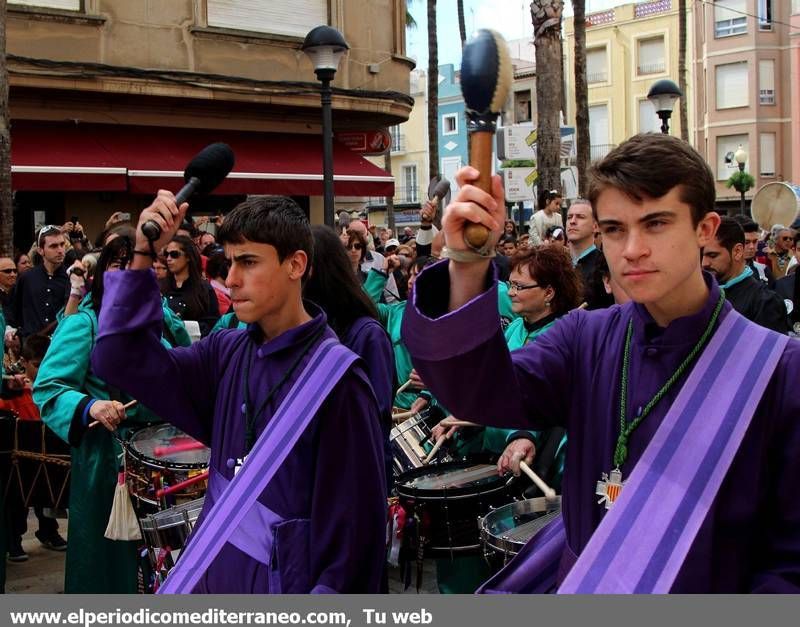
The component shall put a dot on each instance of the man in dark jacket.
(581, 228)
(724, 258)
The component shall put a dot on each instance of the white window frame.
(656, 121)
(449, 116)
(413, 196)
(734, 24)
(450, 165)
(305, 16)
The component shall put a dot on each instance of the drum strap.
(325, 368)
(640, 545)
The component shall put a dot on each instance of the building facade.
(745, 91)
(109, 99)
(628, 48)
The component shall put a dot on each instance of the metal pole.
(664, 115)
(327, 150)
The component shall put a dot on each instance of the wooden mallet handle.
(480, 152)
(546, 489)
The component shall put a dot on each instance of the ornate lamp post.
(663, 95)
(325, 46)
(740, 156)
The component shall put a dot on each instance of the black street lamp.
(325, 46)
(663, 95)
(740, 156)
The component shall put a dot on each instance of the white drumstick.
(404, 387)
(458, 423)
(404, 415)
(546, 489)
(435, 449)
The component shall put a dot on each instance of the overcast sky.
(512, 18)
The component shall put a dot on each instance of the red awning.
(59, 156)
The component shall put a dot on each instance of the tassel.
(122, 523)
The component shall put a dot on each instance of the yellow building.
(409, 162)
(628, 48)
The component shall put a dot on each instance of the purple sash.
(642, 542)
(327, 366)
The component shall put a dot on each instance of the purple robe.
(750, 539)
(330, 491)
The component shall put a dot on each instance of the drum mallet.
(163, 451)
(183, 484)
(403, 415)
(125, 406)
(404, 387)
(549, 493)
(486, 77)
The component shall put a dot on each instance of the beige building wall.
(621, 36)
(729, 116)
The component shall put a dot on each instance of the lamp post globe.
(325, 46)
(663, 94)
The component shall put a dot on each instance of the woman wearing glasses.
(356, 252)
(189, 295)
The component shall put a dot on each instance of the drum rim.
(498, 483)
(161, 463)
(503, 544)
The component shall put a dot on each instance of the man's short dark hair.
(729, 233)
(748, 224)
(649, 165)
(274, 220)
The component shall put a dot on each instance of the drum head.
(143, 443)
(449, 479)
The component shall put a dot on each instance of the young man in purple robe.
(610, 377)
(319, 524)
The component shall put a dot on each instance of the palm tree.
(433, 93)
(684, 107)
(462, 27)
(6, 203)
(581, 97)
(546, 17)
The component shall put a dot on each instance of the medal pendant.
(609, 487)
(239, 463)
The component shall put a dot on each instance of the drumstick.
(458, 423)
(403, 415)
(162, 451)
(546, 489)
(583, 305)
(435, 449)
(404, 387)
(125, 406)
(183, 484)
(486, 76)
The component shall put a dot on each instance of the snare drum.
(147, 473)
(448, 500)
(505, 530)
(165, 534)
(410, 443)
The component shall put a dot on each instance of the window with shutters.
(599, 135)
(649, 121)
(795, 7)
(651, 56)
(522, 106)
(279, 17)
(596, 65)
(766, 82)
(64, 5)
(732, 85)
(766, 156)
(730, 17)
(409, 190)
(727, 145)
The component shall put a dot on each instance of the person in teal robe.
(543, 286)
(70, 396)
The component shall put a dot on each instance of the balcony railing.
(597, 77)
(651, 68)
(766, 96)
(598, 151)
(646, 9)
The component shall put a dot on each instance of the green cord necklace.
(611, 484)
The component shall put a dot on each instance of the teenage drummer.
(70, 396)
(319, 524)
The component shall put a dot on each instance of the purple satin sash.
(325, 368)
(641, 544)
